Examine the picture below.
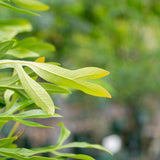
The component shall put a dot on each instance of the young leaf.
(30, 123)
(51, 88)
(37, 93)
(65, 133)
(10, 28)
(7, 96)
(31, 4)
(7, 5)
(83, 145)
(75, 156)
(5, 46)
(22, 53)
(64, 77)
(90, 73)
(35, 113)
(18, 106)
(6, 142)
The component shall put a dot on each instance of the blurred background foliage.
(123, 37)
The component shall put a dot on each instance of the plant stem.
(16, 125)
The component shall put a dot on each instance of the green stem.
(16, 125)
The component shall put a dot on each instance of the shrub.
(24, 97)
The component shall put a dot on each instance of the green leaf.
(7, 5)
(35, 113)
(17, 153)
(22, 53)
(29, 47)
(6, 142)
(83, 145)
(10, 28)
(2, 103)
(7, 96)
(61, 76)
(5, 46)
(17, 89)
(40, 158)
(30, 123)
(31, 4)
(51, 88)
(75, 156)
(65, 133)
(64, 77)
(90, 73)
(17, 106)
(32, 43)
(38, 94)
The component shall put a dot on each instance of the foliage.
(120, 35)
(25, 93)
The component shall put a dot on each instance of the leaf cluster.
(26, 93)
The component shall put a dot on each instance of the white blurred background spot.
(112, 143)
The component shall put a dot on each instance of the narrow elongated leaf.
(65, 77)
(31, 4)
(90, 73)
(7, 95)
(17, 153)
(10, 155)
(40, 158)
(4, 4)
(5, 46)
(30, 123)
(61, 76)
(83, 145)
(17, 106)
(22, 53)
(6, 142)
(75, 156)
(38, 94)
(35, 113)
(29, 47)
(25, 42)
(32, 43)
(50, 88)
(65, 133)
(10, 28)
(17, 89)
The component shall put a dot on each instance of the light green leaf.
(40, 158)
(7, 5)
(35, 113)
(38, 94)
(18, 89)
(75, 156)
(17, 106)
(25, 42)
(90, 73)
(6, 142)
(30, 123)
(7, 96)
(51, 88)
(32, 43)
(64, 77)
(5, 46)
(17, 153)
(31, 4)
(22, 53)
(83, 145)
(29, 47)
(10, 28)
(65, 133)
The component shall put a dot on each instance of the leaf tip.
(40, 60)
